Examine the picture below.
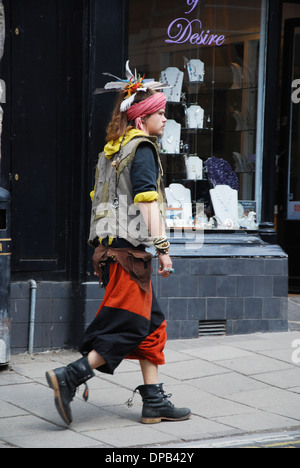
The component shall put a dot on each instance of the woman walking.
(127, 217)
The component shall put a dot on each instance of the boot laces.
(129, 402)
(166, 398)
(85, 394)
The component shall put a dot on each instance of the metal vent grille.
(211, 328)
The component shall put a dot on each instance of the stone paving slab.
(234, 386)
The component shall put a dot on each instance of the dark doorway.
(44, 67)
(289, 162)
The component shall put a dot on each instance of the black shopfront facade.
(229, 278)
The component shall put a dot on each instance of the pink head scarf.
(149, 106)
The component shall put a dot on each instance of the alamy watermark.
(2, 92)
(296, 353)
(296, 93)
(126, 220)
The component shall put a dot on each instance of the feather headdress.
(133, 84)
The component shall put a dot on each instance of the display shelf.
(224, 127)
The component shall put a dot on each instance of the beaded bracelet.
(161, 245)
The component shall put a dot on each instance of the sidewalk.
(234, 385)
(294, 312)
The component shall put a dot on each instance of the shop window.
(209, 52)
(294, 163)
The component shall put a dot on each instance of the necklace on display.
(179, 197)
(173, 145)
(194, 117)
(195, 68)
(171, 137)
(173, 77)
(226, 203)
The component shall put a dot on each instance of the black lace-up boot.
(157, 406)
(64, 382)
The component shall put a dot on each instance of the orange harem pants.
(129, 324)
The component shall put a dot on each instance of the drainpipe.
(33, 288)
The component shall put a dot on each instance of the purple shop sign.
(181, 30)
(192, 3)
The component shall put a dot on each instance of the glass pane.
(209, 52)
(294, 182)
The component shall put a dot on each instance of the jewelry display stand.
(194, 168)
(173, 77)
(237, 72)
(195, 68)
(239, 121)
(170, 141)
(212, 113)
(225, 203)
(194, 117)
(179, 202)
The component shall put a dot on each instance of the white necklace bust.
(225, 203)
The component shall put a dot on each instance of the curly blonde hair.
(119, 122)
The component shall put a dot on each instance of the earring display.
(173, 77)
(194, 117)
(170, 141)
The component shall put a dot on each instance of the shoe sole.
(159, 420)
(54, 385)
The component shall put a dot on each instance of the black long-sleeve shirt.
(144, 174)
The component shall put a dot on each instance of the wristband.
(161, 245)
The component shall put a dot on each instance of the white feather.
(157, 85)
(114, 76)
(149, 84)
(127, 103)
(103, 90)
(121, 84)
(129, 73)
(115, 85)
